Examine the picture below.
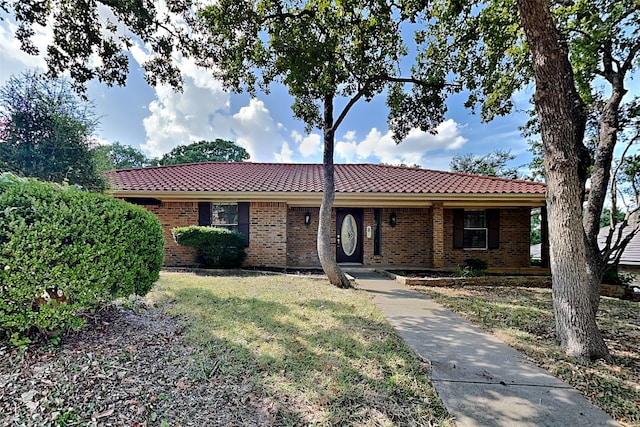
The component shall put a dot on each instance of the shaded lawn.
(310, 353)
(523, 318)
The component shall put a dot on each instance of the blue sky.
(157, 119)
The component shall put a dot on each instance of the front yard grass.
(308, 353)
(523, 318)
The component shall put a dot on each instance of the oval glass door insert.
(349, 235)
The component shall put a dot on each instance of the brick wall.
(302, 240)
(437, 236)
(279, 238)
(513, 249)
(408, 243)
(172, 215)
(267, 235)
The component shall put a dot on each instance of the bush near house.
(216, 247)
(476, 264)
(64, 252)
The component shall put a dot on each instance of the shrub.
(613, 277)
(64, 252)
(476, 264)
(216, 247)
(473, 267)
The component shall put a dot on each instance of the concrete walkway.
(481, 380)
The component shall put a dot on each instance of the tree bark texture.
(600, 179)
(326, 253)
(562, 123)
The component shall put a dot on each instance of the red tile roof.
(280, 177)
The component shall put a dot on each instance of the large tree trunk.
(325, 251)
(562, 124)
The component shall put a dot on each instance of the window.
(232, 216)
(224, 216)
(476, 228)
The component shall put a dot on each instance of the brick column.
(437, 245)
(267, 235)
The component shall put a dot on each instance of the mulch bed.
(127, 368)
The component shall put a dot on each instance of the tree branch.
(281, 16)
(628, 63)
(374, 79)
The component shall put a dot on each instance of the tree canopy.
(217, 150)
(86, 31)
(495, 48)
(118, 156)
(492, 164)
(46, 131)
(327, 53)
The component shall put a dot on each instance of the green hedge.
(64, 251)
(216, 247)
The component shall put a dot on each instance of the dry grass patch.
(224, 351)
(523, 318)
(307, 353)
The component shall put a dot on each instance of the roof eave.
(369, 199)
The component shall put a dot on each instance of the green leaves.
(45, 130)
(493, 164)
(64, 252)
(217, 247)
(81, 33)
(480, 47)
(205, 151)
(319, 49)
(117, 156)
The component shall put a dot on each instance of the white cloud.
(13, 60)
(284, 156)
(309, 145)
(182, 118)
(412, 150)
(203, 111)
(347, 150)
(258, 133)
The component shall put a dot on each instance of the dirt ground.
(128, 368)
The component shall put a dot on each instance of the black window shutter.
(377, 233)
(458, 228)
(204, 213)
(243, 221)
(493, 224)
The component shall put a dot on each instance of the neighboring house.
(383, 215)
(630, 259)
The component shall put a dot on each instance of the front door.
(349, 235)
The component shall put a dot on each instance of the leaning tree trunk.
(325, 252)
(608, 125)
(562, 125)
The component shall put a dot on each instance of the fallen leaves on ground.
(127, 368)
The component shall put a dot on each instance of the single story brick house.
(382, 216)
